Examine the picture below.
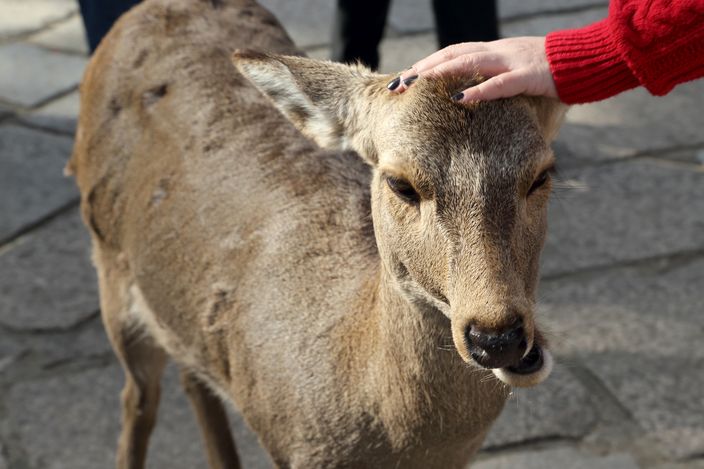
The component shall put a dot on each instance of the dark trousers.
(359, 26)
(99, 16)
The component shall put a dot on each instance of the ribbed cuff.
(586, 64)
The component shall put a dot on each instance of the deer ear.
(550, 113)
(322, 99)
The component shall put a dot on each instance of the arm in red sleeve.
(654, 43)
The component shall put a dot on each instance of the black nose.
(497, 350)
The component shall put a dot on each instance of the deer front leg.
(144, 364)
(214, 426)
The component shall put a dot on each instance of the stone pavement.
(621, 291)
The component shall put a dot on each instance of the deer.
(353, 270)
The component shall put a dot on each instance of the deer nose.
(497, 350)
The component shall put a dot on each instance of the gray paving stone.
(639, 329)
(26, 355)
(85, 406)
(410, 16)
(46, 279)
(60, 114)
(512, 8)
(68, 36)
(634, 122)
(308, 22)
(638, 310)
(693, 156)
(541, 25)
(30, 74)
(5, 362)
(699, 156)
(5, 111)
(3, 462)
(559, 407)
(624, 213)
(667, 404)
(562, 458)
(691, 464)
(20, 16)
(89, 341)
(32, 184)
(396, 53)
(12, 349)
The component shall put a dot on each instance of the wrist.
(586, 65)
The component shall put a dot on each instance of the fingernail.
(393, 84)
(409, 81)
(458, 97)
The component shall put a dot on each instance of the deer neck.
(403, 356)
(404, 343)
(413, 336)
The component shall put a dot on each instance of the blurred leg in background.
(359, 26)
(358, 29)
(99, 16)
(465, 21)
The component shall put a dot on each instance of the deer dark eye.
(403, 189)
(540, 181)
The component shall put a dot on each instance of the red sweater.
(654, 43)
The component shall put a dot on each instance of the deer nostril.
(497, 350)
(524, 343)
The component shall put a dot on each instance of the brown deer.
(308, 248)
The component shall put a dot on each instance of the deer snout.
(496, 349)
(502, 336)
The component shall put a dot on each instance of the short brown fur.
(287, 278)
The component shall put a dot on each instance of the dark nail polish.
(458, 97)
(409, 81)
(393, 84)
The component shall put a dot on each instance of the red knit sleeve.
(654, 43)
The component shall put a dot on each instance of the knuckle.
(450, 52)
(469, 61)
(498, 81)
(432, 73)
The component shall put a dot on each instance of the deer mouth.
(532, 369)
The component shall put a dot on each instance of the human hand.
(511, 66)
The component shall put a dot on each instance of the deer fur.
(250, 233)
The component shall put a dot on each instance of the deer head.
(459, 194)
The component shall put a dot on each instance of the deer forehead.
(464, 169)
(440, 141)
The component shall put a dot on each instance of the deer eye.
(403, 189)
(540, 181)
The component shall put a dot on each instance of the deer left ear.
(322, 99)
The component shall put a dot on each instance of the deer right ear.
(551, 114)
(322, 99)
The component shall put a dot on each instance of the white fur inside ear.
(526, 381)
(275, 80)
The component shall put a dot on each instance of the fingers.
(485, 64)
(501, 86)
(445, 55)
(479, 63)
